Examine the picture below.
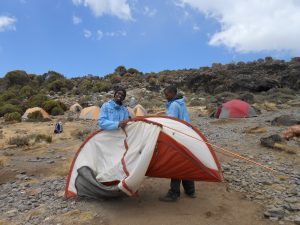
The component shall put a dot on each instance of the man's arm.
(173, 110)
(104, 122)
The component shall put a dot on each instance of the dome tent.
(138, 110)
(76, 108)
(235, 109)
(90, 113)
(162, 147)
(35, 109)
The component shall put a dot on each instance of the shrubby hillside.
(276, 78)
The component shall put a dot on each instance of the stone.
(275, 212)
(297, 220)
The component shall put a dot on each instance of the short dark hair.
(172, 89)
(120, 89)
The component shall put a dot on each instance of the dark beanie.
(120, 89)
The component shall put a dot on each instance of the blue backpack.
(58, 128)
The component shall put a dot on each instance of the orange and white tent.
(34, 109)
(76, 108)
(90, 113)
(113, 163)
(138, 110)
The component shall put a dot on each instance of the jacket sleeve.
(126, 114)
(104, 122)
(173, 110)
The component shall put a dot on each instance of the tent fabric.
(90, 113)
(138, 110)
(113, 163)
(236, 109)
(75, 108)
(34, 109)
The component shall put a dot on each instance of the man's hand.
(123, 123)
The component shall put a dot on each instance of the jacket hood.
(115, 105)
(178, 99)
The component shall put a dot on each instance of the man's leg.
(174, 192)
(189, 188)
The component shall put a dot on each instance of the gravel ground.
(279, 192)
(25, 200)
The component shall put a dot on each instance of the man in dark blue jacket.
(176, 108)
(114, 113)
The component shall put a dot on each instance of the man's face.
(169, 95)
(119, 97)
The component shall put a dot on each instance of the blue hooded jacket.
(111, 114)
(177, 108)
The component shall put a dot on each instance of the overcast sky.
(80, 37)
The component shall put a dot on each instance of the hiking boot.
(169, 197)
(191, 195)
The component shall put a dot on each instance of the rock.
(285, 120)
(275, 212)
(297, 220)
(271, 140)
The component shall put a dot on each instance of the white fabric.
(142, 138)
(103, 154)
(189, 138)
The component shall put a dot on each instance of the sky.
(81, 37)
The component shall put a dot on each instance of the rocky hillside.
(274, 80)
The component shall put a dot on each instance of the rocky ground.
(32, 179)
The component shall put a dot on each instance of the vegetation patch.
(12, 117)
(42, 137)
(82, 134)
(19, 141)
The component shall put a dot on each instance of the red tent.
(235, 109)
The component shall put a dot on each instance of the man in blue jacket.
(114, 113)
(176, 108)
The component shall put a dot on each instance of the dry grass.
(36, 212)
(256, 130)
(225, 121)
(3, 161)
(5, 222)
(62, 169)
(286, 148)
(75, 217)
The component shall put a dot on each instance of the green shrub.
(9, 108)
(54, 107)
(84, 100)
(37, 100)
(11, 117)
(132, 71)
(36, 116)
(14, 101)
(19, 141)
(57, 111)
(17, 77)
(103, 86)
(85, 87)
(7, 95)
(57, 85)
(27, 91)
(120, 70)
(53, 76)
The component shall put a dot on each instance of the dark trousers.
(188, 185)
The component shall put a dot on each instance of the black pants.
(188, 185)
